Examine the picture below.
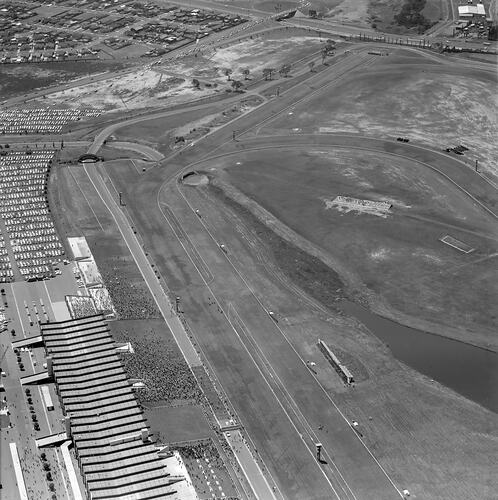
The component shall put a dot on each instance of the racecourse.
(281, 403)
(285, 407)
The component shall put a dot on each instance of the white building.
(472, 12)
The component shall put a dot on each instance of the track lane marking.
(294, 349)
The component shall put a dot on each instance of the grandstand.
(108, 428)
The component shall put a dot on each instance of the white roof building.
(469, 11)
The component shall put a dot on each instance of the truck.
(47, 398)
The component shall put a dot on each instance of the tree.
(245, 72)
(285, 70)
(227, 73)
(236, 85)
(196, 83)
(311, 64)
(267, 72)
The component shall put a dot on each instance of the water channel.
(468, 370)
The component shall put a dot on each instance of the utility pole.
(477, 165)
(120, 199)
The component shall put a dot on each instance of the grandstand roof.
(106, 420)
(471, 10)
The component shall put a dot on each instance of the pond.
(468, 370)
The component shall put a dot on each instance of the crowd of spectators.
(131, 300)
(40, 121)
(80, 306)
(102, 300)
(157, 362)
(26, 215)
(205, 466)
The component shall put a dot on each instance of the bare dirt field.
(437, 105)
(397, 256)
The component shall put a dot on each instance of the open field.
(399, 257)
(376, 13)
(80, 211)
(441, 106)
(223, 351)
(178, 423)
(427, 438)
(171, 82)
(404, 413)
(18, 79)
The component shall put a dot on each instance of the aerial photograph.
(249, 249)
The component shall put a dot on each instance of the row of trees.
(326, 51)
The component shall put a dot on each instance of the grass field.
(399, 410)
(399, 258)
(410, 423)
(377, 13)
(160, 133)
(178, 423)
(435, 105)
(80, 211)
(18, 79)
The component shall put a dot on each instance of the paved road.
(256, 479)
